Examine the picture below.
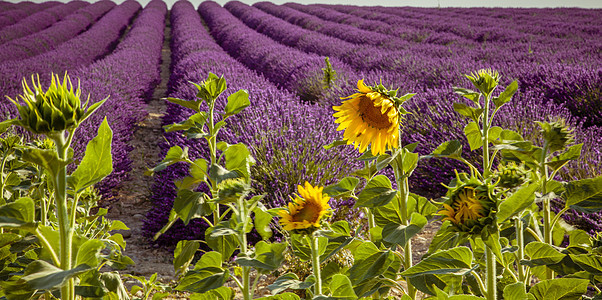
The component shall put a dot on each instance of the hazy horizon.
(595, 4)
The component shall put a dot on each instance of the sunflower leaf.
(378, 192)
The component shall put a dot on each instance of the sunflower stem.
(520, 238)
(315, 259)
(404, 191)
(491, 278)
(213, 157)
(246, 271)
(371, 224)
(65, 228)
(485, 135)
(547, 214)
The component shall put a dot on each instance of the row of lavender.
(39, 20)
(53, 36)
(15, 12)
(284, 134)
(127, 71)
(540, 84)
(555, 71)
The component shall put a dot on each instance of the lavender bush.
(39, 20)
(56, 34)
(21, 10)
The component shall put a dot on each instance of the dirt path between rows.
(133, 197)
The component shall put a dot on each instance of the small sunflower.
(469, 207)
(306, 210)
(370, 117)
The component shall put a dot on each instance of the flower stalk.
(491, 277)
(315, 261)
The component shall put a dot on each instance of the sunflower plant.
(228, 206)
(60, 248)
(372, 120)
(496, 211)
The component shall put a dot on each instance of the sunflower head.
(511, 175)
(557, 134)
(53, 110)
(470, 206)
(372, 118)
(306, 211)
(486, 80)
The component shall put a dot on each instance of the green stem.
(404, 191)
(557, 217)
(371, 223)
(520, 238)
(246, 271)
(44, 203)
(491, 277)
(65, 228)
(315, 259)
(2, 180)
(479, 282)
(547, 214)
(485, 135)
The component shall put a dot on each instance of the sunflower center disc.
(372, 115)
(310, 212)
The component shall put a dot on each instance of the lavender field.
(277, 53)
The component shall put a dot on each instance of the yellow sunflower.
(369, 118)
(306, 210)
(466, 206)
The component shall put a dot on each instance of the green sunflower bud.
(556, 134)
(486, 80)
(511, 175)
(57, 109)
(470, 206)
(596, 240)
(232, 189)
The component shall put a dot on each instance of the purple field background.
(277, 53)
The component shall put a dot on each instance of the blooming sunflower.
(306, 210)
(370, 117)
(470, 206)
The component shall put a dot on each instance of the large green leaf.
(572, 153)
(517, 202)
(262, 221)
(190, 205)
(19, 214)
(542, 254)
(387, 214)
(221, 293)
(401, 234)
(203, 280)
(369, 262)
(40, 275)
(421, 205)
(288, 281)
(89, 253)
(517, 291)
(589, 262)
(343, 188)
(455, 261)
(584, 195)
(97, 162)
(451, 149)
(506, 95)
(209, 259)
(378, 192)
(237, 102)
(239, 158)
(300, 245)
(284, 296)
(174, 155)
(559, 289)
(267, 257)
(341, 288)
(225, 244)
(467, 111)
(183, 255)
(47, 159)
(473, 135)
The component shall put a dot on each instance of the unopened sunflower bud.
(54, 110)
(556, 134)
(486, 80)
(511, 175)
(230, 190)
